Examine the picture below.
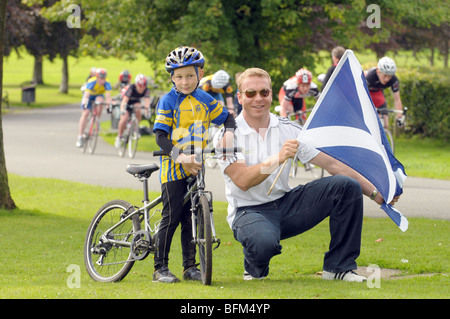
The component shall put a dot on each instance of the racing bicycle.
(399, 122)
(121, 234)
(90, 134)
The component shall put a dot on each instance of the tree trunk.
(6, 201)
(37, 72)
(64, 87)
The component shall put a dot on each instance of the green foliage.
(425, 92)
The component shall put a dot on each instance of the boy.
(183, 115)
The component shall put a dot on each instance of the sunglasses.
(252, 93)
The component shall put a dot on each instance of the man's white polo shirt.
(257, 149)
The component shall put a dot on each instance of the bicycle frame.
(193, 193)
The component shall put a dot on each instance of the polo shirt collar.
(245, 129)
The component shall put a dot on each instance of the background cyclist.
(294, 91)
(217, 84)
(132, 95)
(379, 78)
(336, 55)
(97, 88)
(124, 80)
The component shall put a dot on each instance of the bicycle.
(300, 117)
(90, 134)
(399, 122)
(131, 135)
(121, 234)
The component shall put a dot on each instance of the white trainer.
(348, 275)
(247, 276)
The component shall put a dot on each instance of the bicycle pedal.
(218, 243)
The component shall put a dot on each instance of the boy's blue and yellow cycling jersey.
(95, 89)
(186, 119)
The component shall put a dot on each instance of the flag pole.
(278, 176)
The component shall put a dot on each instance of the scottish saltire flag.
(344, 124)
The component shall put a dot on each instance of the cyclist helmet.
(140, 80)
(184, 56)
(387, 66)
(220, 79)
(101, 73)
(303, 76)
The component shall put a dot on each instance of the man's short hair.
(253, 72)
(338, 52)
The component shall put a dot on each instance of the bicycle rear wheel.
(133, 138)
(107, 256)
(204, 237)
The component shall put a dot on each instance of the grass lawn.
(45, 236)
(18, 70)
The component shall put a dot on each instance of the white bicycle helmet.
(220, 79)
(140, 80)
(387, 66)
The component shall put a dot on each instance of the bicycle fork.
(194, 217)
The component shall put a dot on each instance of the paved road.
(41, 143)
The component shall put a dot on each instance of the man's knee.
(262, 247)
(350, 187)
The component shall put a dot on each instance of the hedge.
(425, 92)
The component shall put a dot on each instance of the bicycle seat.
(142, 170)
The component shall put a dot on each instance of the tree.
(6, 201)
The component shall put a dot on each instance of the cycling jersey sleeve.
(107, 86)
(228, 89)
(162, 139)
(395, 84)
(219, 114)
(90, 85)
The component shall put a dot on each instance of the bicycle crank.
(140, 245)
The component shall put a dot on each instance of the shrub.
(425, 92)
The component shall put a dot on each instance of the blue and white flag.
(345, 125)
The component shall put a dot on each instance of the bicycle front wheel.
(204, 239)
(133, 138)
(93, 135)
(107, 248)
(390, 139)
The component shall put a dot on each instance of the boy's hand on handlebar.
(189, 163)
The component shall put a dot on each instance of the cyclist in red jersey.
(294, 90)
(124, 80)
(379, 78)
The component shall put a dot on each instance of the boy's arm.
(163, 141)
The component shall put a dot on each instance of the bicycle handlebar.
(393, 111)
(96, 104)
